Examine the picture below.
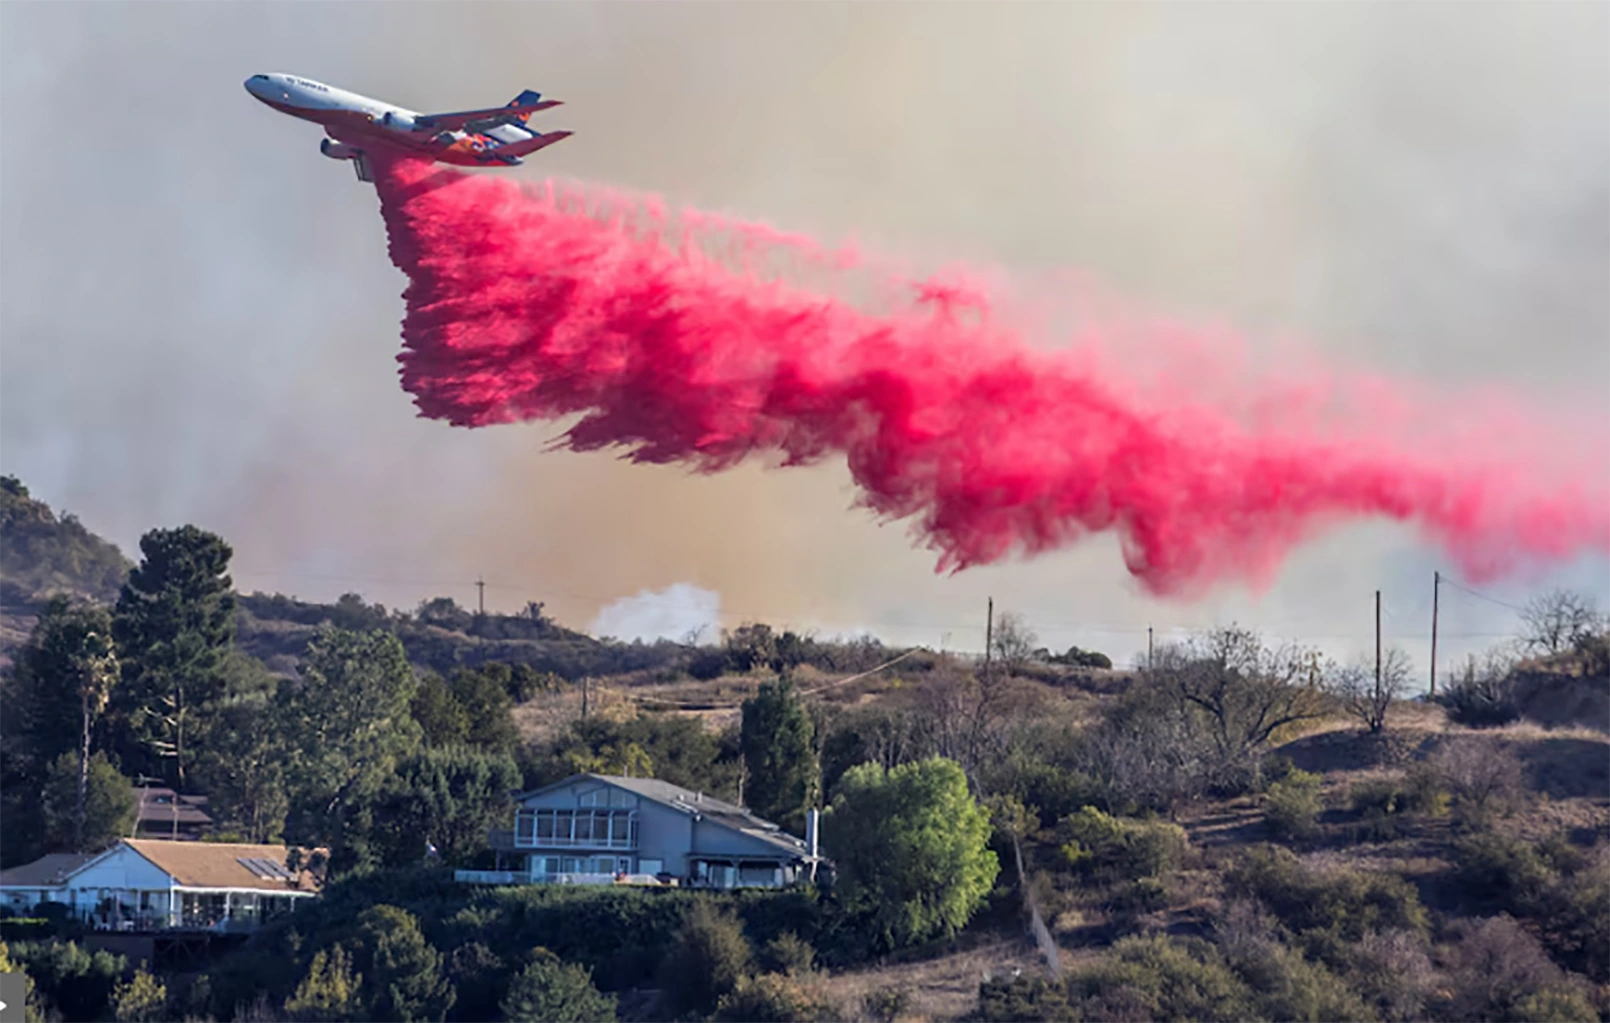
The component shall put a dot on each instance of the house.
(22, 888)
(144, 884)
(164, 813)
(596, 829)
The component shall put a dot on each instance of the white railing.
(492, 876)
(566, 842)
(521, 877)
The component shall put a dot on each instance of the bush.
(1555, 1003)
(1116, 849)
(1293, 805)
(1144, 895)
(886, 1004)
(789, 954)
(770, 998)
(1393, 972)
(550, 991)
(1328, 909)
(1495, 966)
(710, 956)
(1484, 780)
(1482, 702)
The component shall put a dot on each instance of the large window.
(597, 829)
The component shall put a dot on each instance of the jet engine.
(397, 122)
(337, 150)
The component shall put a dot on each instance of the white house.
(22, 888)
(141, 884)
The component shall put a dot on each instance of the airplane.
(497, 136)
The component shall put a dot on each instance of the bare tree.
(1366, 695)
(1560, 620)
(1013, 642)
(967, 718)
(1484, 779)
(1245, 689)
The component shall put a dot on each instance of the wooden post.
(1148, 648)
(989, 627)
(1377, 642)
(1436, 585)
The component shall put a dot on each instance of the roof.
(46, 872)
(707, 807)
(161, 806)
(220, 864)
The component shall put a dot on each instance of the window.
(599, 829)
(525, 827)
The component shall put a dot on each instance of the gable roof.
(164, 806)
(219, 864)
(706, 806)
(46, 872)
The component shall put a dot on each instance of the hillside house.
(164, 813)
(148, 884)
(597, 829)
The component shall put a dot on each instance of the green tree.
(243, 769)
(442, 719)
(55, 696)
(330, 991)
(174, 622)
(140, 999)
(778, 741)
(108, 807)
(484, 694)
(550, 991)
(404, 972)
(346, 724)
(910, 847)
(450, 797)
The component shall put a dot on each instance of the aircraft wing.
(481, 120)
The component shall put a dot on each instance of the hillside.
(41, 553)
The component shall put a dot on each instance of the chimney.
(813, 831)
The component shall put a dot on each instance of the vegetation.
(1134, 809)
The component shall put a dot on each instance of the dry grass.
(942, 988)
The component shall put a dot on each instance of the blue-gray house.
(595, 828)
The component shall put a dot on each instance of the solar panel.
(266, 869)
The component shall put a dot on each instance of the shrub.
(1023, 1000)
(1503, 870)
(770, 998)
(1484, 779)
(788, 953)
(710, 956)
(1326, 908)
(1555, 1003)
(1392, 970)
(140, 999)
(1495, 965)
(886, 1004)
(1113, 848)
(1170, 978)
(1144, 895)
(551, 991)
(1293, 805)
(1487, 701)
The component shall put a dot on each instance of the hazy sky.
(198, 322)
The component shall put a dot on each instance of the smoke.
(676, 612)
(546, 303)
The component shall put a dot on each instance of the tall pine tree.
(174, 622)
(778, 742)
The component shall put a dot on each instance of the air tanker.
(354, 125)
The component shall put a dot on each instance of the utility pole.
(1377, 641)
(480, 586)
(1148, 648)
(1436, 585)
(989, 627)
(584, 680)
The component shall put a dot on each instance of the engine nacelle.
(397, 122)
(337, 150)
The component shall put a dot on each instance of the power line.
(1483, 596)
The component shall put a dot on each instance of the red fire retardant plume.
(524, 305)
